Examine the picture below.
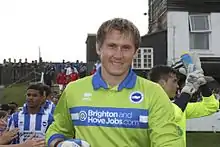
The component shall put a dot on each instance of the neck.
(33, 110)
(112, 80)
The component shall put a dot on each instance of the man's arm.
(182, 101)
(164, 132)
(207, 106)
(62, 126)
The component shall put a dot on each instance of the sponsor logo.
(110, 117)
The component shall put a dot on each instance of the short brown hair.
(159, 72)
(123, 25)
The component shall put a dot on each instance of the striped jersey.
(29, 124)
(49, 106)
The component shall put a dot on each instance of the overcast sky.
(59, 27)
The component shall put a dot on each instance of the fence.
(10, 74)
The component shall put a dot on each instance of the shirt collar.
(25, 110)
(129, 82)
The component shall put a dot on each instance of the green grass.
(15, 93)
(203, 139)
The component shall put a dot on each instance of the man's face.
(34, 99)
(171, 85)
(116, 53)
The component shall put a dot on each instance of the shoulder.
(15, 115)
(87, 81)
(147, 84)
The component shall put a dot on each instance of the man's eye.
(112, 45)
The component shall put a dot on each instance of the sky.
(59, 27)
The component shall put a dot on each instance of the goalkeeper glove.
(73, 143)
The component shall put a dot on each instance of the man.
(61, 80)
(167, 77)
(33, 117)
(47, 103)
(115, 107)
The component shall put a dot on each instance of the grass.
(15, 93)
(203, 139)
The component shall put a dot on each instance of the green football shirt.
(136, 113)
(207, 106)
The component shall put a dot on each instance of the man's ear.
(98, 49)
(162, 83)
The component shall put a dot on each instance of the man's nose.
(118, 53)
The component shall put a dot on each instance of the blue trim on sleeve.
(55, 136)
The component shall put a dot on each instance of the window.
(144, 59)
(200, 30)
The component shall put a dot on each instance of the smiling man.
(115, 107)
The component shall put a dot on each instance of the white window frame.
(142, 58)
(200, 31)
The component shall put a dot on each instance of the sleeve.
(62, 126)
(207, 106)
(12, 124)
(50, 120)
(182, 101)
(178, 113)
(163, 130)
(13, 121)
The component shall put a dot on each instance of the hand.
(193, 81)
(34, 142)
(73, 143)
(8, 136)
(197, 78)
(3, 124)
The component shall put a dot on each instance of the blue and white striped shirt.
(49, 106)
(30, 123)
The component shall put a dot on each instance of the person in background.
(33, 117)
(61, 80)
(93, 70)
(167, 77)
(47, 102)
(74, 76)
(5, 107)
(3, 121)
(56, 98)
(97, 64)
(82, 70)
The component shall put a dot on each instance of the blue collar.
(25, 110)
(129, 82)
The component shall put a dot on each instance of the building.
(191, 25)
